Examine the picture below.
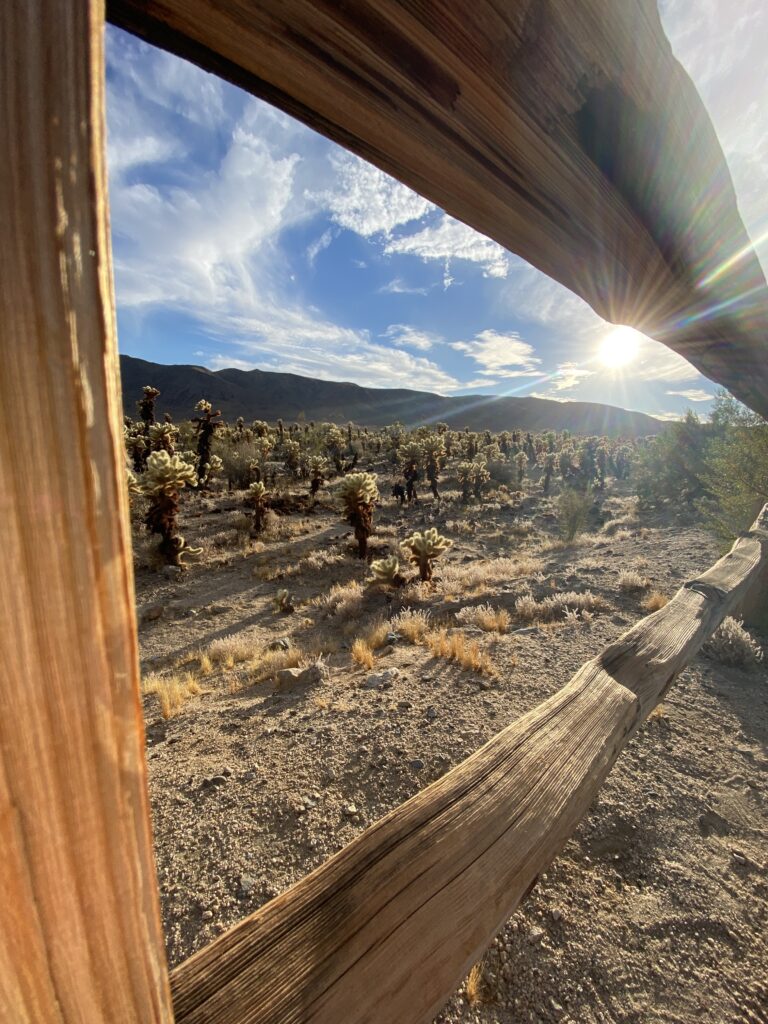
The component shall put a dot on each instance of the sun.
(619, 348)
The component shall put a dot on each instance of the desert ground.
(655, 910)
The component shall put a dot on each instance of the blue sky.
(242, 238)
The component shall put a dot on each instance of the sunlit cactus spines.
(423, 548)
(434, 450)
(521, 463)
(206, 425)
(318, 467)
(387, 571)
(359, 494)
(165, 476)
(292, 457)
(162, 437)
(472, 476)
(257, 499)
(549, 469)
(137, 447)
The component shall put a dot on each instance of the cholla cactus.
(136, 446)
(359, 494)
(283, 602)
(410, 456)
(162, 437)
(521, 462)
(549, 469)
(206, 425)
(423, 548)
(134, 487)
(434, 453)
(146, 406)
(318, 466)
(165, 476)
(387, 571)
(258, 499)
(472, 476)
(292, 456)
(211, 469)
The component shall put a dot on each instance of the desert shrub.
(172, 691)
(554, 607)
(731, 644)
(620, 523)
(232, 650)
(485, 617)
(362, 653)
(455, 647)
(412, 624)
(423, 548)
(654, 601)
(342, 599)
(239, 463)
(631, 580)
(572, 510)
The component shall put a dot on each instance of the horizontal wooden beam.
(80, 936)
(386, 929)
(565, 131)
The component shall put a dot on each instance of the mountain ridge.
(270, 395)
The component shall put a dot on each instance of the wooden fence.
(385, 929)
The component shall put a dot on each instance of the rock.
(556, 914)
(536, 934)
(349, 810)
(207, 915)
(416, 764)
(738, 857)
(392, 638)
(431, 713)
(525, 631)
(711, 821)
(172, 572)
(213, 781)
(247, 884)
(300, 678)
(381, 680)
(152, 612)
(281, 644)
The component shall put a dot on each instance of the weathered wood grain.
(386, 929)
(564, 130)
(80, 937)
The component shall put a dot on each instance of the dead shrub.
(654, 601)
(172, 691)
(732, 645)
(485, 617)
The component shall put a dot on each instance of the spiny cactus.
(387, 571)
(423, 548)
(549, 468)
(318, 466)
(165, 476)
(434, 450)
(472, 476)
(410, 456)
(359, 494)
(162, 437)
(146, 405)
(283, 602)
(292, 456)
(258, 499)
(521, 462)
(136, 446)
(206, 425)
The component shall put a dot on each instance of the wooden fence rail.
(386, 929)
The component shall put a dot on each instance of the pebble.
(416, 764)
(349, 810)
(431, 712)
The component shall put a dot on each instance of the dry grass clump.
(172, 691)
(229, 651)
(271, 662)
(620, 523)
(549, 609)
(475, 988)
(485, 617)
(412, 624)
(731, 644)
(622, 535)
(318, 561)
(654, 601)
(342, 599)
(362, 653)
(630, 580)
(477, 575)
(376, 634)
(455, 647)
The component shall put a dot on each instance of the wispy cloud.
(316, 247)
(397, 286)
(694, 395)
(450, 240)
(501, 355)
(411, 337)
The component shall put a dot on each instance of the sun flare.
(619, 348)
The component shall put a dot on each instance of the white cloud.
(398, 287)
(667, 416)
(411, 337)
(501, 355)
(316, 247)
(449, 240)
(568, 375)
(367, 201)
(294, 341)
(693, 395)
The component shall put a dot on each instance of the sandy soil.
(656, 909)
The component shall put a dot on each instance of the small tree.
(165, 476)
(359, 495)
(423, 548)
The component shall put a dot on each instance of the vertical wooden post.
(80, 936)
